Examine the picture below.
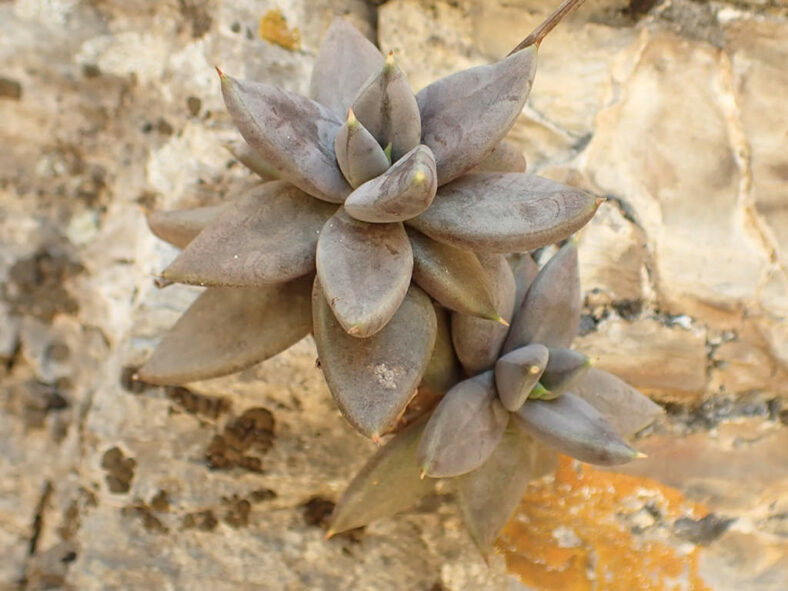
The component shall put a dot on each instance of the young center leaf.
(517, 373)
(359, 155)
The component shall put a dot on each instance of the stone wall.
(674, 110)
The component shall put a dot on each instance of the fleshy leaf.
(404, 191)
(364, 270)
(373, 379)
(517, 372)
(359, 155)
(228, 329)
(489, 495)
(251, 160)
(345, 61)
(573, 427)
(387, 107)
(550, 313)
(464, 429)
(512, 212)
(505, 157)
(443, 370)
(564, 369)
(267, 236)
(626, 409)
(525, 271)
(453, 276)
(292, 134)
(478, 341)
(181, 226)
(387, 484)
(465, 115)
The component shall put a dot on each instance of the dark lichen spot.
(160, 501)
(197, 14)
(39, 400)
(120, 470)
(163, 127)
(202, 520)
(317, 510)
(91, 71)
(150, 522)
(194, 105)
(237, 511)
(261, 494)
(198, 404)
(35, 286)
(235, 27)
(130, 382)
(587, 325)
(628, 309)
(253, 431)
(702, 531)
(10, 89)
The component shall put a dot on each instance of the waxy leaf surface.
(387, 107)
(550, 313)
(626, 409)
(465, 115)
(517, 372)
(507, 212)
(292, 134)
(181, 226)
(359, 155)
(373, 379)
(525, 271)
(564, 369)
(251, 160)
(443, 370)
(228, 329)
(505, 157)
(478, 341)
(489, 495)
(267, 236)
(404, 191)
(387, 484)
(345, 62)
(464, 429)
(364, 270)
(573, 427)
(452, 276)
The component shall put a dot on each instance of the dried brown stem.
(540, 32)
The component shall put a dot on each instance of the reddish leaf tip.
(328, 535)
(501, 320)
(221, 74)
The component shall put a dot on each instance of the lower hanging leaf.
(181, 226)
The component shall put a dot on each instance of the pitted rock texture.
(673, 110)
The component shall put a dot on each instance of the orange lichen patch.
(572, 534)
(274, 29)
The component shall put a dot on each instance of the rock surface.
(673, 110)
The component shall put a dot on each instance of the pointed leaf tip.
(640, 455)
(501, 320)
(221, 74)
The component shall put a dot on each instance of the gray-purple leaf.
(251, 160)
(443, 370)
(465, 115)
(573, 427)
(291, 133)
(229, 329)
(626, 409)
(517, 372)
(359, 155)
(507, 212)
(478, 341)
(181, 226)
(489, 495)
(404, 191)
(267, 236)
(564, 369)
(550, 313)
(365, 270)
(373, 379)
(464, 429)
(387, 107)
(387, 484)
(505, 157)
(452, 276)
(345, 62)
(525, 271)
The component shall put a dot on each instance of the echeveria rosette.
(495, 431)
(377, 188)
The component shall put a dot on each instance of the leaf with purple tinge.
(181, 226)
(517, 372)
(365, 270)
(345, 62)
(505, 212)
(387, 484)
(387, 107)
(626, 409)
(464, 429)
(564, 369)
(373, 379)
(359, 155)
(550, 313)
(251, 160)
(478, 341)
(465, 115)
(443, 370)
(452, 276)
(292, 134)
(404, 191)
(226, 330)
(267, 236)
(489, 495)
(573, 427)
(505, 157)
(525, 271)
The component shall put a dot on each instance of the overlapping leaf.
(564, 369)
(505, 157)
(181, 226)
(443, 370)
(251, 160)
(525, 271)
(517, 373)
(359, 155)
